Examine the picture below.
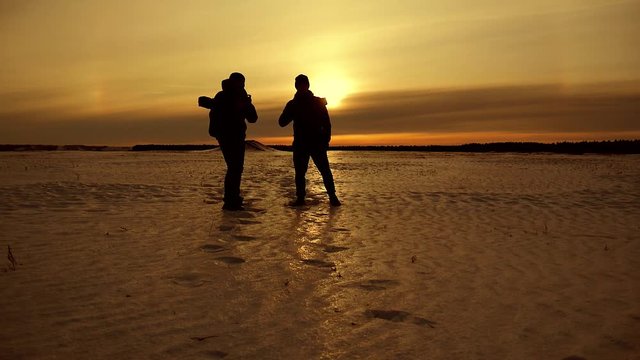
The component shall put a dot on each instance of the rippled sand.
(432, 256)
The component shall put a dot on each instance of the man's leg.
(322, 163)
(301, 164)
(321, 160)
(233, 152)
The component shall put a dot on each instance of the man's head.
(237, 80)
(302, 82)
(226, 85)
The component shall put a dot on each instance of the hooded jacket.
(228, 114)
(311, 123)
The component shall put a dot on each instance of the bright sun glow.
(334, 88)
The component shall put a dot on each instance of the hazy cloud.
(545, 108)
(537, 109)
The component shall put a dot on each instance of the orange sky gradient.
(412, 72)
(393, 139)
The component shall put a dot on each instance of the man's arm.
(251, 114)
(285, 117)
(326, 122)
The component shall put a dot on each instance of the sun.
(334, 88)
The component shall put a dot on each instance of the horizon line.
(333, 146)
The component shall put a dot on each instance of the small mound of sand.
(252, 145)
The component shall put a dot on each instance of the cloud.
(540, 108)
(594, 111)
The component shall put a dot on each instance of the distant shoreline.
(583, 147)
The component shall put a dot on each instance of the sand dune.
(438, 256)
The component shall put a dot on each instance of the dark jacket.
(228, 114)
(311, 123)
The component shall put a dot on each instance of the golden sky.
(415, 72)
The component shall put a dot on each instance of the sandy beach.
(126, 255)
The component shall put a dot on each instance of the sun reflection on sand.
(313, 234)
(310, 229)
(318, 232)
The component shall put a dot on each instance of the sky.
(393, 72)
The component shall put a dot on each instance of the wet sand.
(433, 255)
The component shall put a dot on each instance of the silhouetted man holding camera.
(311, 137)
(229, 110)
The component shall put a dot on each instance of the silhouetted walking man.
(311, 137)
(229, 110)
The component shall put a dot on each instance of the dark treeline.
(22, 147)
(31, 147)
(156, 147)
(598, 147)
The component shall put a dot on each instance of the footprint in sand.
(399, 316)
(191, 280)
(231, 260)
(307, 205)
(375, 284)
(334, 249)
(244, 237)
(211, 248)
(318, 263)
(245, 214)
(249, 222)
(297, 207)
(216, 354)
(226, 227)
(314, 201)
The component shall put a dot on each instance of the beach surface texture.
(128, 255)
